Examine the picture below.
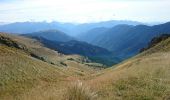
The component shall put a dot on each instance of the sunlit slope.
(20, 72)
(163, 46)
(29, 71)
(36, 49)
(144, 77)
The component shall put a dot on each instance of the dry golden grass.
(51, 56)
(20, 73)
(22, 77)
(79, 91)
(142, 78)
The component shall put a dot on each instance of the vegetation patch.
(79, 91)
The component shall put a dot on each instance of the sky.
(82, 11)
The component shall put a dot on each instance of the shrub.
(78, 91)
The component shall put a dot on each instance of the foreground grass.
(79, 91)
(20, 73)
(140, 88)
(25, 78)
(142, 78)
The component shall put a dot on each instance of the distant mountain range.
(75, 47)
(29, 27)
(125, 40)
(92, 34)
(3, 23)
(81, 28)
(53, 35)
(69, 28)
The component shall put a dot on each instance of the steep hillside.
(53, 35)
(126, 41)
(144, 77)
(37, 50)
(155, 41)
(96, 36)
(113, 35)
(75, 47)
(28, 70)
(94, 53)
(92, 34)
(20, 74)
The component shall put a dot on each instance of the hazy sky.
(84, 10)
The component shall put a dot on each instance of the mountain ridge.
(53, 35)
(127, 41)
(70, 28)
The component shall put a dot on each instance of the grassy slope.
(23, 77)
(144, 77)
(51, 56)
(20, 72)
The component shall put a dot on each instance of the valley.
(84, 50)
(51, 65)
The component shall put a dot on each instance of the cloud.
(84, 10)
